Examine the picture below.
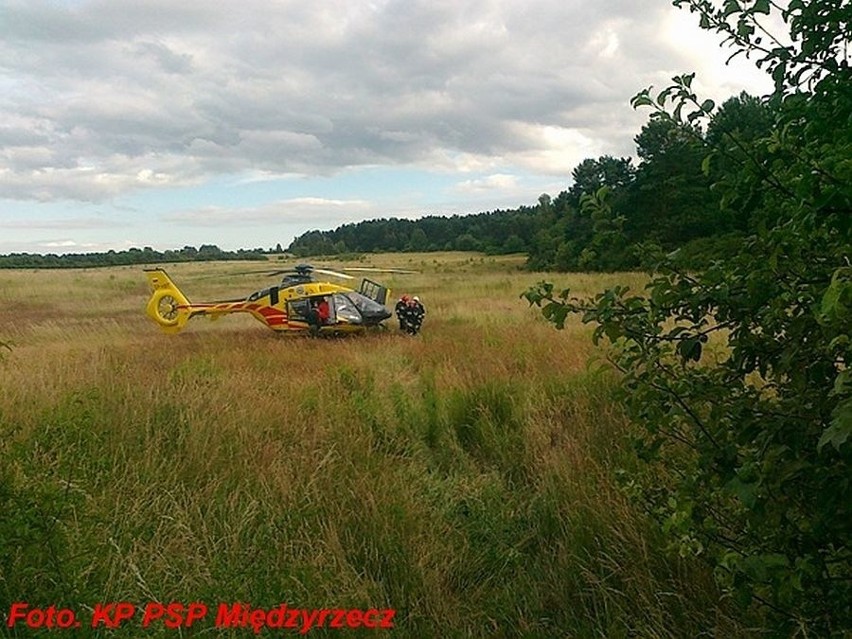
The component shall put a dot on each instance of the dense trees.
(496, 232)
(590, 175)
(738, 374)
(665, 203)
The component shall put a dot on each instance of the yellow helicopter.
(299, 303)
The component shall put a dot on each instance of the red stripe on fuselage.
(269, 315)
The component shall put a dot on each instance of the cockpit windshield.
(371, 311)
(345, 309)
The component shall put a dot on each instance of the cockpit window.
(345, 309)
(368, 307)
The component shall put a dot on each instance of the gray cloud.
(79, 223)
(101, 98)
(306, 210)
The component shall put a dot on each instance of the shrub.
(739, 374)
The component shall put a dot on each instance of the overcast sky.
(243, 124)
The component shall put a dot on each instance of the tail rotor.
(168, 306)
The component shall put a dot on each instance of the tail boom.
(171, 309)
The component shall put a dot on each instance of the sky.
(163, 123)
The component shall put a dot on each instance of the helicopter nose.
(375, 316)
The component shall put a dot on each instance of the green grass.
(465, 478)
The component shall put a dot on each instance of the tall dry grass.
(465, 477)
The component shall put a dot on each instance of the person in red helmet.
(410, 312)
(416, 312)
(401, 310)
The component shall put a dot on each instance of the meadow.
(467, 478)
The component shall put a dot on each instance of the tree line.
(496, 232)
(146, 255)
(615, 214)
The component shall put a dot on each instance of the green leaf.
(832, 306)
(731, 7)
(759, 567)
(761, 6)
(744, 29)
(689, 349)
(746, 492)
(837, 434)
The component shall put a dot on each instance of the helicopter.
(299, 303)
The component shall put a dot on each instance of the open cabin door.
(374, 291)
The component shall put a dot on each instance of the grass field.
(465, 477)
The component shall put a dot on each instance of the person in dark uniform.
(314, 317)
(401, 310)
(416, 313)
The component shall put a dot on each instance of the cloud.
(496, 182)
(307, 210)
(73, 246)
(101, 98)
(77, 223)
(61, 244)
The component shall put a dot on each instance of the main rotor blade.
(265, 271)
(366, 269)
(225, 274)
(326, 271)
